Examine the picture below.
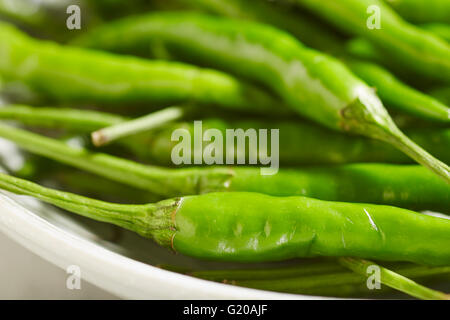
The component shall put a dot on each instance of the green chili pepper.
(314, 84)
(297, 146)
(390, 89)
(251, 227)
(60, 118)
(317, 278)
(398, 95)
(408, 186)
(341, 283)
(422, 11)
(407, 45)
(308, 30)
(362, 48)
(394, 280)
(66, 74)
(439, 29)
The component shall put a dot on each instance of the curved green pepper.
(409, 186)
(314, 84)
(408, 45)
(297, 145)
(75, 75)
(212, 226)
(251, 227)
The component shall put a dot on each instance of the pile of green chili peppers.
(358, 89)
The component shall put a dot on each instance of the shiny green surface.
(302, 26)
(70, 74)
(406, 44)
(301, 143)
(398, 95)
(410, 186)
(212, 226)
(298, 144)
(316, 85)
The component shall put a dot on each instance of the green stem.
(157, 180)
(118, 214)
(82, 120)
(149, 220)
(402, 142)
(150, 121)
(359, 119)
(394, 280)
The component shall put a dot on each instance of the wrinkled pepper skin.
(250, 227)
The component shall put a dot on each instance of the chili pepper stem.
(394, 280)
(150, 121)
(150, 178)
(149, 220)
(359, 118)
(402, 142)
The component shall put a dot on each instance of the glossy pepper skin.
(406, 44)
(75, 75)
(251, 227)
(213, 226)
(314, 84)
(297, 145)
(392, 91)
(302, 26)
(399, 95)
(408, 186)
